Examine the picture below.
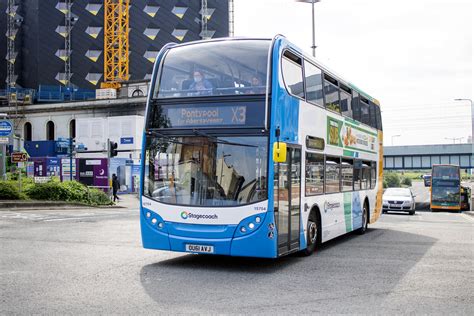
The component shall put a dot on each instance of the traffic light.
(113, 149)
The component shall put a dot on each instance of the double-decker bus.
(252, 148)
(447, 193)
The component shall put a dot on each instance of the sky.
(414, 56)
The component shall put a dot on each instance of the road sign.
(4, 140)
(6, 128)
(19, 157)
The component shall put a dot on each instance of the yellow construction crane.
(116, 44)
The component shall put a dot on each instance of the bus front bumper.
(258, 243)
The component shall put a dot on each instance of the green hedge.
(406, 181)
(392, 179)
(9, 191)
(70, 191)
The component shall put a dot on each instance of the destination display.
(245, 114)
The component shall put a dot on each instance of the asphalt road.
(91, 262)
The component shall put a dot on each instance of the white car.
(398, 199)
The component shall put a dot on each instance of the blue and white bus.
(252, 148)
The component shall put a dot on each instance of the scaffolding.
(116, 43)
(231, 18)
(12, 30)
(204, 17)
(67, 43)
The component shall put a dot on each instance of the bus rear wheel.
(365, 220)
(312, 233)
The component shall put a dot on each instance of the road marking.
(468, 217)
(63, 216)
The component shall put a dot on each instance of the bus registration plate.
(199, 248)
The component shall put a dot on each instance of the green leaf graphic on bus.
(334, 128)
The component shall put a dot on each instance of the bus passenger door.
(287, 192)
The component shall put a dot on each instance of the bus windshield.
(445, 184)
(214, 68)
(206, 171)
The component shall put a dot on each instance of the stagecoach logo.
(186, 215)
(329, 206)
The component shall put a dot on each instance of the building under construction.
(51, 42)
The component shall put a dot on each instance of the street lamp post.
(393, 136)
(3, 158)
(313, 47)
(472, 130)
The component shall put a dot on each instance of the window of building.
(50, 130)
(179, 34)
(332, 174)
(93, 78)
(61, 77)
(314, 84)
(93, 31)
(179, 11)
(72, 128)
(293, 74)
(63, 6)
(314, 174)
(331, 94)
(151, 32)
(346, 101)
(93, 8)
(62, 54)
(151, 55)
(347, 172)
(27, 132)
(93, 54)
(61, 30)
(151, 10)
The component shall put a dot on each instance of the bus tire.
(313, 231)
(365, 219)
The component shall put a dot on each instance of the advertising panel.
(93, 172)
(351, 136)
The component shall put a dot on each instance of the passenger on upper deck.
(200, 85)
(256, 86)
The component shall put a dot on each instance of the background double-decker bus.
(447, 193)
(252, 148)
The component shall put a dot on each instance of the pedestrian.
(115, 186)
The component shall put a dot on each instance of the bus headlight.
(153, 219)
(249, 225)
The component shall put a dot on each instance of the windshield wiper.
(221, 141)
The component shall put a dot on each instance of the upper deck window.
(293, 73)
(214, 68)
